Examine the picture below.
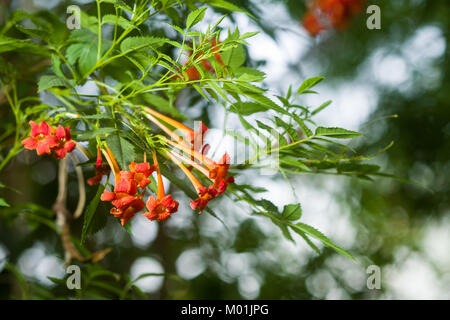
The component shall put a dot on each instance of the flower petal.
(29, 143)
(60, 132)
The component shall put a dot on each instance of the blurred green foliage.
(386, 217)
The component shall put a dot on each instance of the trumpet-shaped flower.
(205, 195)
(160, 209)
(163, 206)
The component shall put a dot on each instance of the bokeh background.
(391, 84)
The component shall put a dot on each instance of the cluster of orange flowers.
(326, 14)
(190, 150)
(130, 186)
(47, 140)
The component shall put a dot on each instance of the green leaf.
(222, 4)
(10, 44)
(320, 236)
(56, 66)
(292, 212)
(306, 131)
(321, 107)
(234, 57)
(92, 134)
(3, 203)
(307, 240)
(85, 53)
(131, 44)
(51, 81)
(121, 21)
(195, 17)
(89, 214)
(308, 83)
(284, 230)
(247, 108)
(338, 133)
(36, 33)
(122, 150)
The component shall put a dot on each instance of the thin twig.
(81, 189)
(63, 215)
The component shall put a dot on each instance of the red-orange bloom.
(160, 209)
(41, 138)
(205, 195)
(330, 13)
(127, 207)
(65, 143)
(206, 64)
(192, 74)
(312, 24)
(141, 172)
(163, 206)
(124, 199)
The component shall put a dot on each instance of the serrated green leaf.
(321, 107)
(51, 81)
(308, 83)
(306, 131)
(90, 212)
(338, 133)
(302, 227)
(92, 134)
(132, 44)
(292, 212)
(222, 4)
(247, 108)
(121, 21)
(122, 150)
(195, 17)
(234, 58)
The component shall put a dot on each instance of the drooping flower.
(205, 195)
(99, 161)
(41, 139)
(192, 138)
(128, 208)
(160, 209)
(220, 170)
(190, 143)
(125, 197)
(163, 206)
(100, 169)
